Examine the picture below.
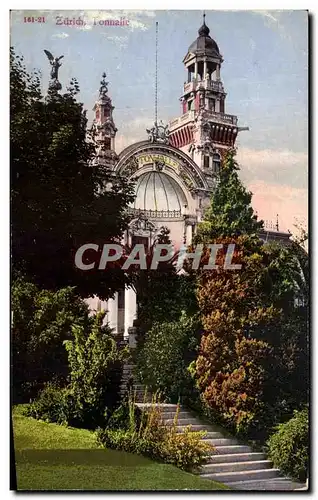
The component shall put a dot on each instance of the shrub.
(288, 447)
(167, 351)
(153, 438)
(95, 364)
(122, 418)
(51, 405)
(42, 320)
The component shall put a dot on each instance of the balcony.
(221, 117)
(178, 122)
(214, 85)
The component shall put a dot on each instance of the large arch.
(138, 157)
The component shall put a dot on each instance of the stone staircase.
(128, 379)
(232, 463)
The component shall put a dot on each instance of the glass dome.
(158, 191)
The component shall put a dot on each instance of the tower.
(104, 126)
(204, 131)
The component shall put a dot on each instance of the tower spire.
(159, 132)
(156, 77)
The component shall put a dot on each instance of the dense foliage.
(95, 364)
(233, 365)
(58, 194)
(51, 405)
(252, 367)
(41, 321)
(288, 447)
(153, 438)
(162, 362)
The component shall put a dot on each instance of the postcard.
(159, 241)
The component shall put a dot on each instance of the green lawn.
(53, 457)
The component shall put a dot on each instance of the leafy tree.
(42, 320)
(58, 195)
(168, 350)
(230, 212)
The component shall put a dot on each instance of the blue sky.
(265, 73)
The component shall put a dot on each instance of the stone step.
(222, 441)
(235, 466)
(194, 427)
(236, 457)
(275, 484)
(182, 421)
(227, 450)
(213, 435)
(226, 477)
(162, 405)
(170, 414)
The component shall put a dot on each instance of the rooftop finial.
(103, 86)
(277, 223)
(204, 30)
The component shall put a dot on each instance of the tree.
(253, 352)
(42, 320)
(168, 350)
(58, 195)
(230, 212)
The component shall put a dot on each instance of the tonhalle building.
(176, 168)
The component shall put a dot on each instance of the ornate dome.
(204, 43)
(158, 191)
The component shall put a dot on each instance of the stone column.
(218, 76)
(196, 70)
(189, 234)
(130, 308)
(112, 315)
(204, 69)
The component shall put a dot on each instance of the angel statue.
(55, 63)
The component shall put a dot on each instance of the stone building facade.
(176, 168)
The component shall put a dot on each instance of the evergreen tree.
(230, 212)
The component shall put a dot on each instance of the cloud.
(133, 131)
(291, 204)
(274, 166)
(272, 20)
(60, 35)
(121, 42)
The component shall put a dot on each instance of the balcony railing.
(221, 117)
(155, 214)
(206, 84)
